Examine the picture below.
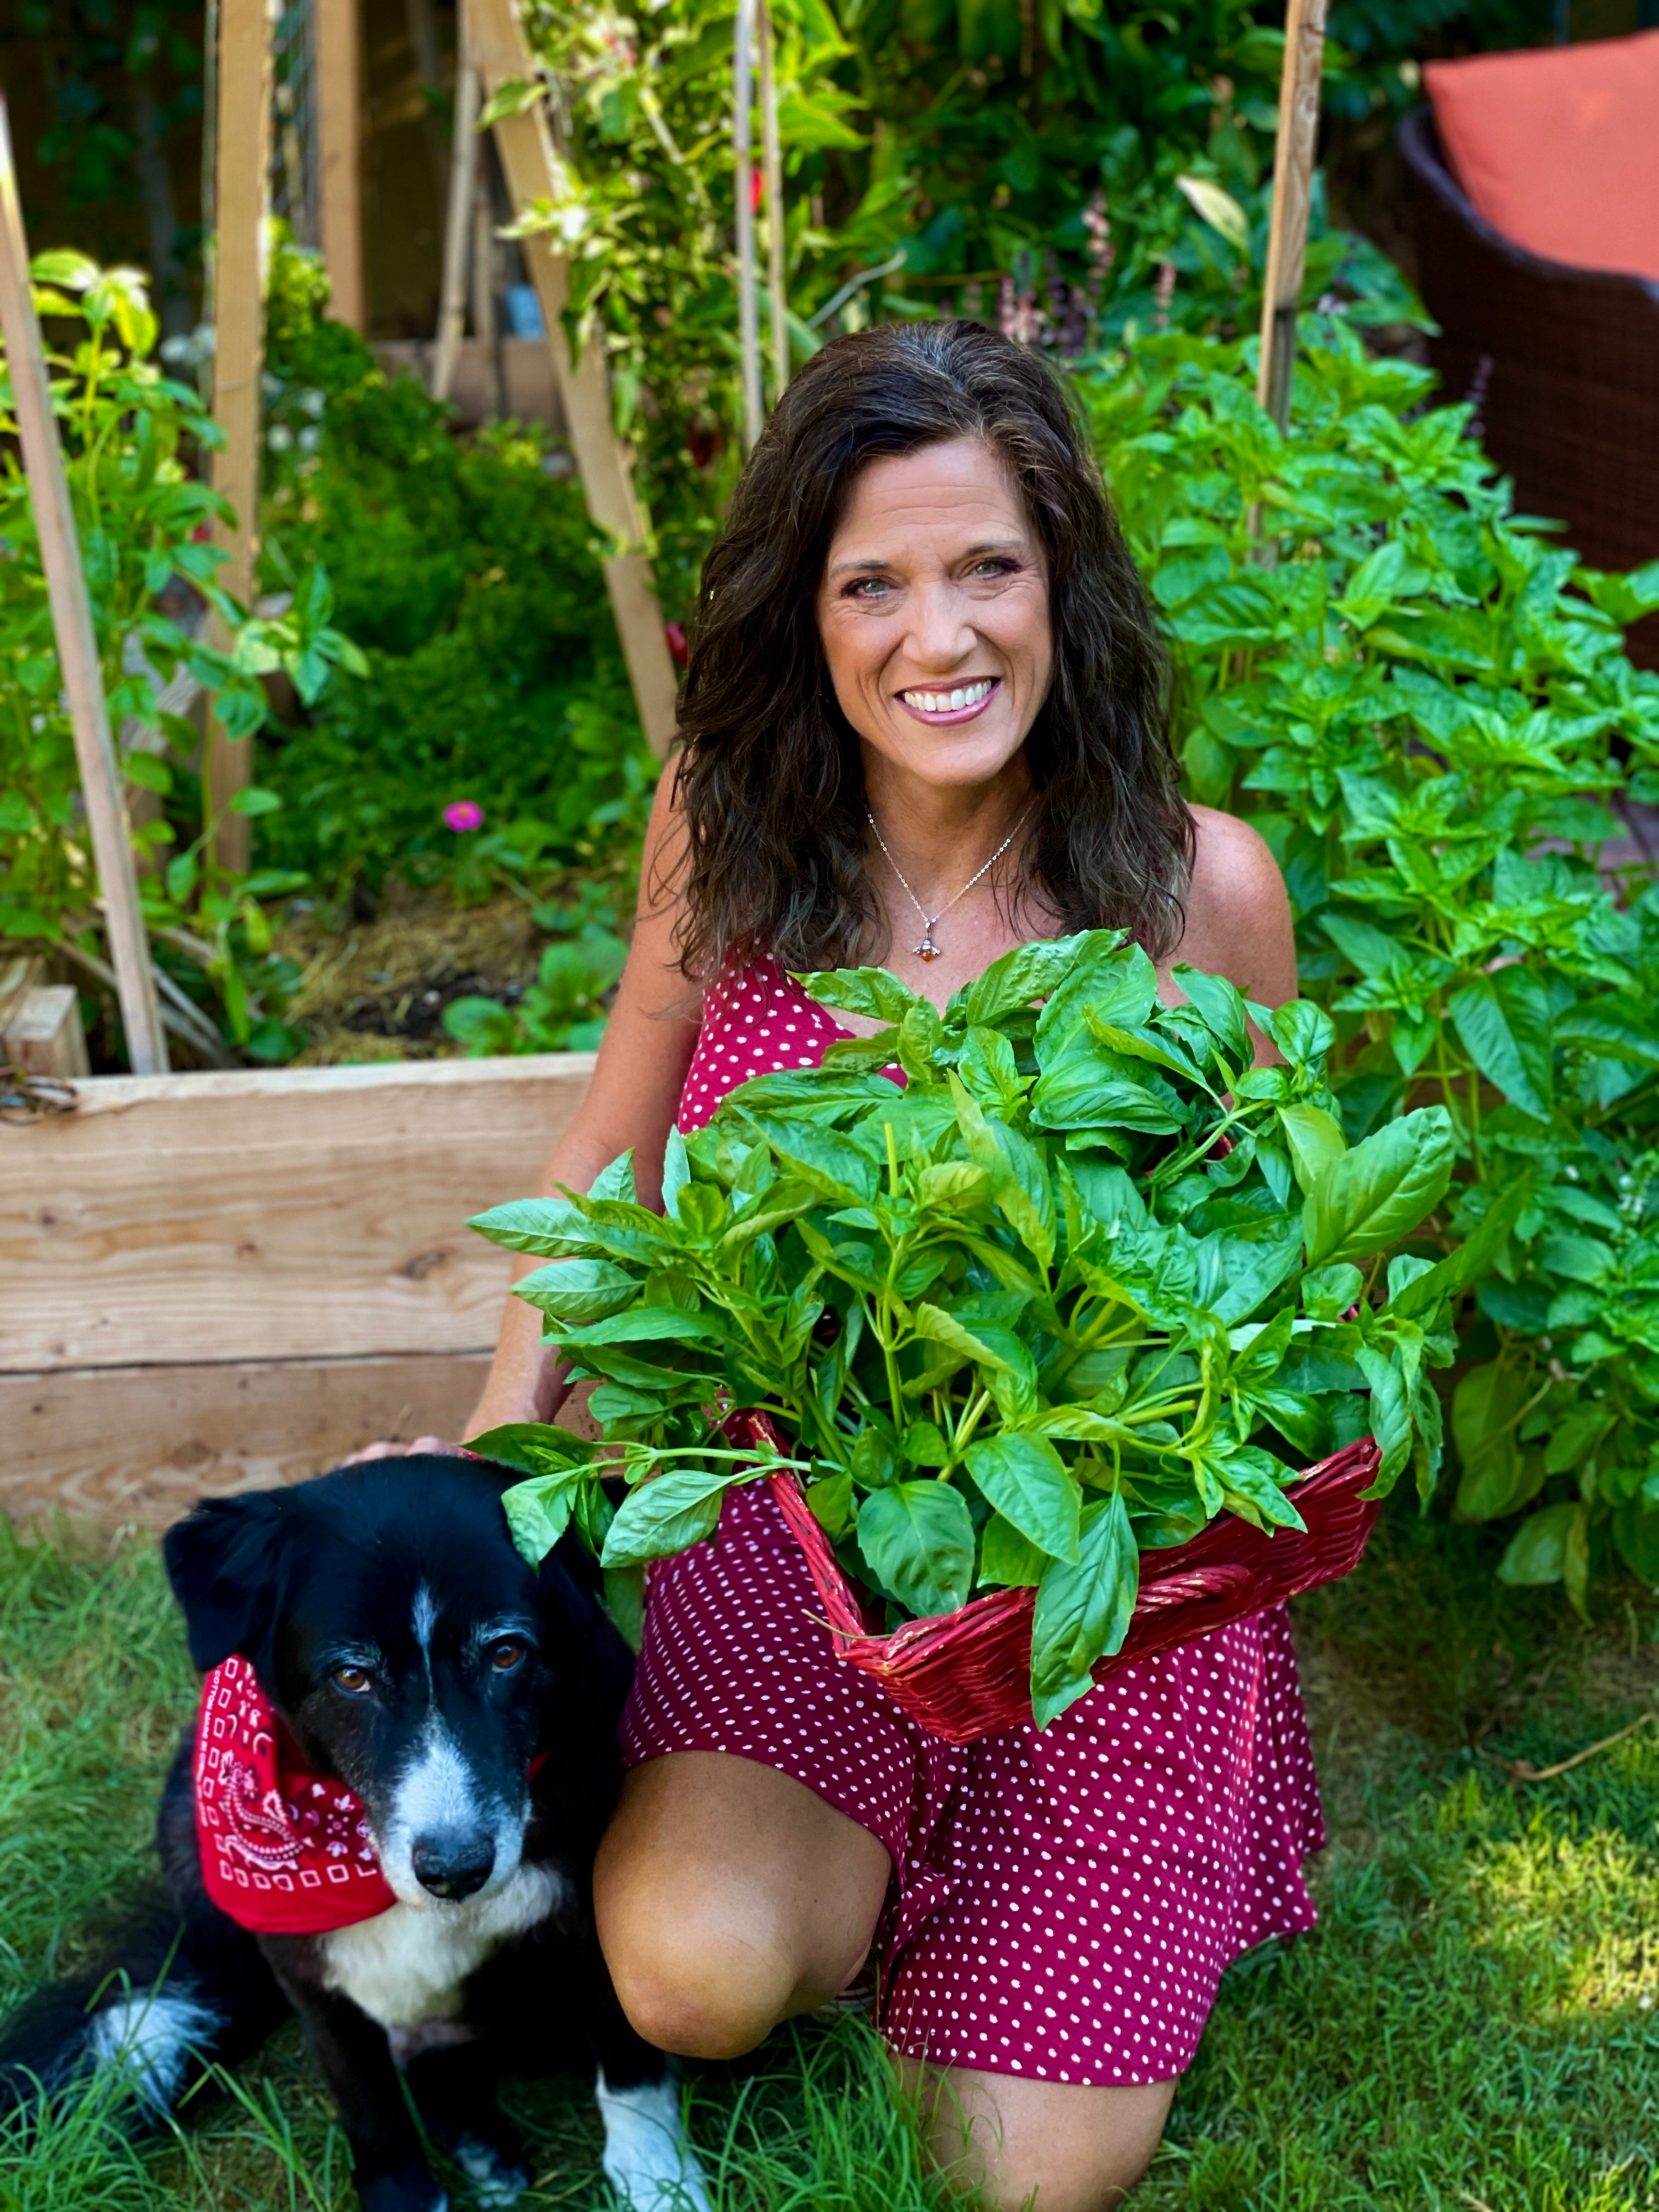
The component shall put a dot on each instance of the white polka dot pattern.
(1064, 1902)
(757, 1022)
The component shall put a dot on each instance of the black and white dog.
(471, 1705)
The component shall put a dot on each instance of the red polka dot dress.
(1064, 1901)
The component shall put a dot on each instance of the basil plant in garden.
(1425, 705)
(1087, 1279)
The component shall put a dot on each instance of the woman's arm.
(630, 1102)
(1238, 918)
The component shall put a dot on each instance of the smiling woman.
(922, 587)
(924, 722)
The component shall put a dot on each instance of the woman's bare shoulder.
(1238, 915)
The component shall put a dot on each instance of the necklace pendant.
(927, 950)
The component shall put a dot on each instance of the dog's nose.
(455, 1862)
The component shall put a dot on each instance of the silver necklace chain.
(929, 948)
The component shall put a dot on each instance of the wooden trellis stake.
(463, 151)
(242, 169)
(777, 274)
(77, 642)
(742, 96)
(338, 82)
(1287, 228)
(503, 56)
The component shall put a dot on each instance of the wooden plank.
(1287, 229)
(271, 1214)
(41, 1033)
(71, 622)
(526, 148)
(143, 1443)
(338, 92)
(242, 164)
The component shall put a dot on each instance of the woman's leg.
(1045, 2144)
(729, 1897)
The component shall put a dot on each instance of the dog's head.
(413, 1653)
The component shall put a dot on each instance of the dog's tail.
(175, 1996)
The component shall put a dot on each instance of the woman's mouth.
(951, 702)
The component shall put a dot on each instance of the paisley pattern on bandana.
(284, 1852)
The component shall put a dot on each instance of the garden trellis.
(77, 648)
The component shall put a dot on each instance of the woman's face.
(933, 610)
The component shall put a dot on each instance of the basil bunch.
(1423, 702)
(1089, 1278)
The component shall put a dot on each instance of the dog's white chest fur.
(408, 1964)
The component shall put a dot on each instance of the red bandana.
(284, 1852)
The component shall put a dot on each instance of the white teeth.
(950, 702)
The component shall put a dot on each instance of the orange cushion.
(1559, 147)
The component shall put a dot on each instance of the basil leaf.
(868, 991)
(933, 1324)
(918, 1542)
(1029, 972)
(1084, 1609)
(538, 1512)
(668, 1513)
(1316, 1140)
(1024, 1480)
(1381, 1190)
(1010, 1561)
(578, 1290)
(551, 1227)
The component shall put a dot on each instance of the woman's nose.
(941, 636)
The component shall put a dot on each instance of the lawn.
(1472, 2027)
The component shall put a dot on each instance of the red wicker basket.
(966, 1674)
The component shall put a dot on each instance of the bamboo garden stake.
(522, 140)
(1287, 228)
(77, 644)
(777, 276)
(458, 214)
(743, 95)
(339, 158)
(241, 165)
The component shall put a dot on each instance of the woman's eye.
(868, 587)
(356, 1681)
(507, 1655)
(993, 567)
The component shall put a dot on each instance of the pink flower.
(464, 814)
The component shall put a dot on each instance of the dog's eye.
(506, 1654)
(356, 1681)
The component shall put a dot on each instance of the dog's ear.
(586, 1647)
(226, 1563)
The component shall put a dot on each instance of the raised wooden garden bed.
(209, 1281)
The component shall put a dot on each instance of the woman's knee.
(727, 1898)
(1014, 2143)
(691, 1981)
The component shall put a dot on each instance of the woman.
(924, 722)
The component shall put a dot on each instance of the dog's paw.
(646, 2159)
(411, 2188)
(497, 2179)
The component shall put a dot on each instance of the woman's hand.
(395, 1448)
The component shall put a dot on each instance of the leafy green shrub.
(1023, 1317)
(129, 433)
(466, 572)
(1422, 702)
(561, 1011)
(1076, 172)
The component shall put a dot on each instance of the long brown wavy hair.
(771, 778)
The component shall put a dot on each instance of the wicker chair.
(1562, 363)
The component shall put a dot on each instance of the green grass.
(1472, 2025)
